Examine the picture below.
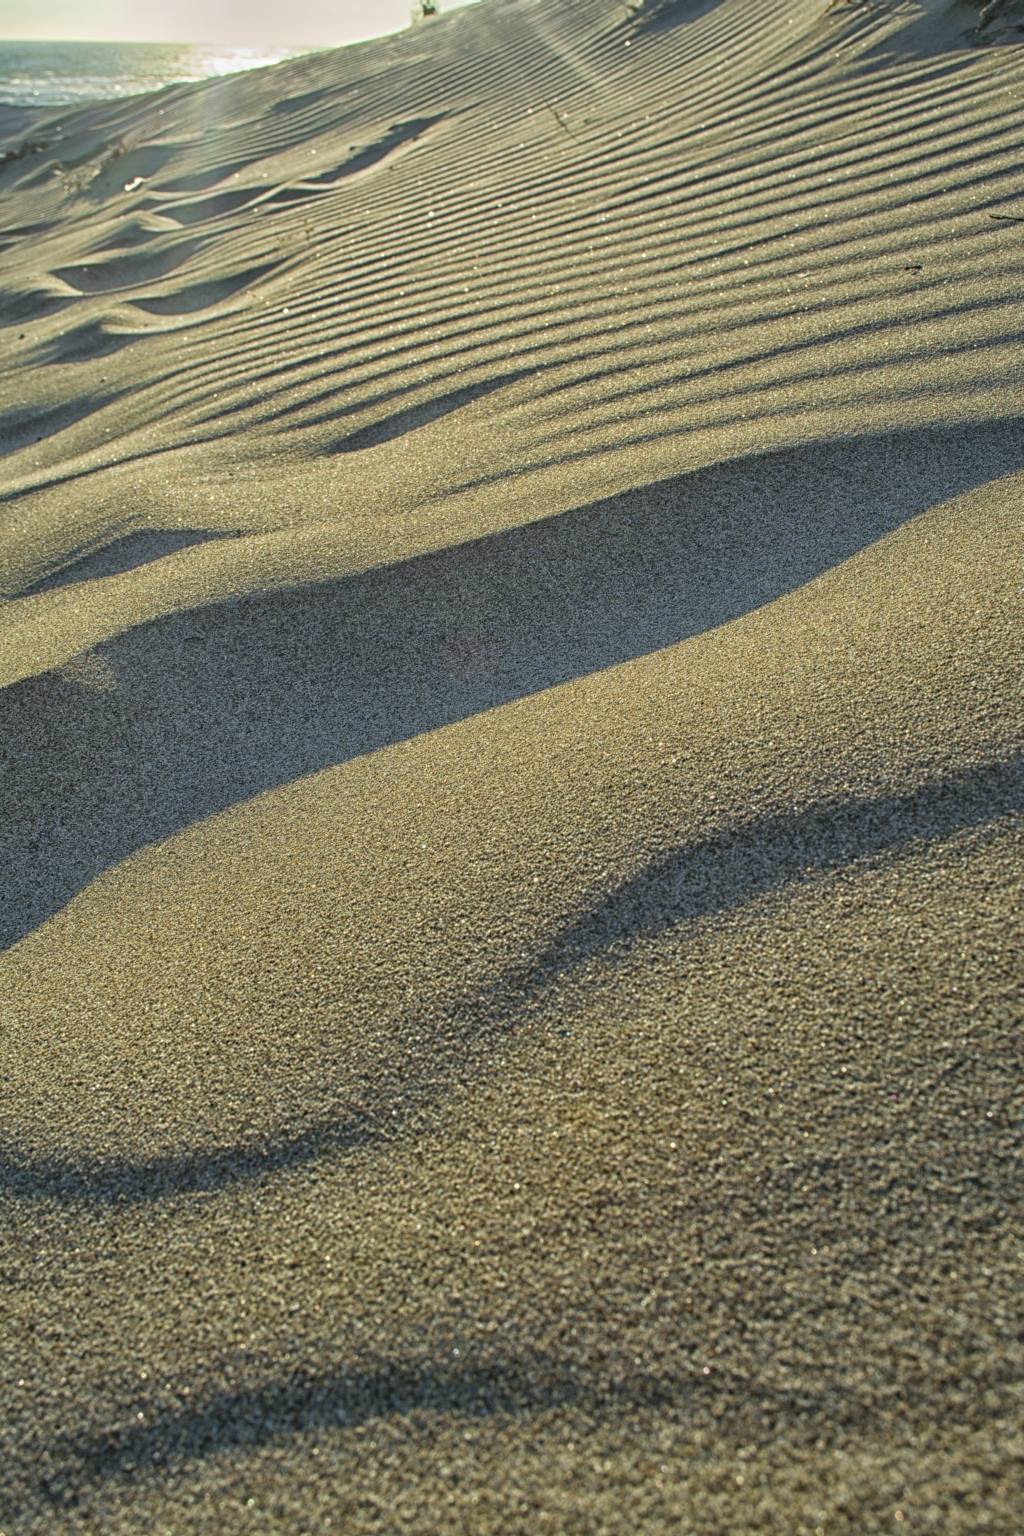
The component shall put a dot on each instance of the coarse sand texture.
(511, 783)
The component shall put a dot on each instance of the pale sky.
(245, 23)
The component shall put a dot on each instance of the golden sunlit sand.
(510, 732)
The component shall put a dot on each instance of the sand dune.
(512, 757)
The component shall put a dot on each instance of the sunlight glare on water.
(46, 74)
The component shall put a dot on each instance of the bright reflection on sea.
(228, 61)
(46, 74)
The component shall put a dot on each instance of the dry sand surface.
(511, 732)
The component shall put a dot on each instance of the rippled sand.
(510, 733)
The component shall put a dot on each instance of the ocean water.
(58, 74)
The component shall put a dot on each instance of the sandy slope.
(512, 783)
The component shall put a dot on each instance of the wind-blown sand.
(511, 737)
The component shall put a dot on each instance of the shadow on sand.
(210, 707)
(159, 1442)
(692, 882)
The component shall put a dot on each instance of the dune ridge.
(511, 745)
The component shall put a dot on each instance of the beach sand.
(510, 730)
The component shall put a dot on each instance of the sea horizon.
(73, 71)
(70, 72)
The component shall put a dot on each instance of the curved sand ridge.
(511, 737)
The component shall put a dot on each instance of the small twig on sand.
(560, 120)
(1006, 218)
